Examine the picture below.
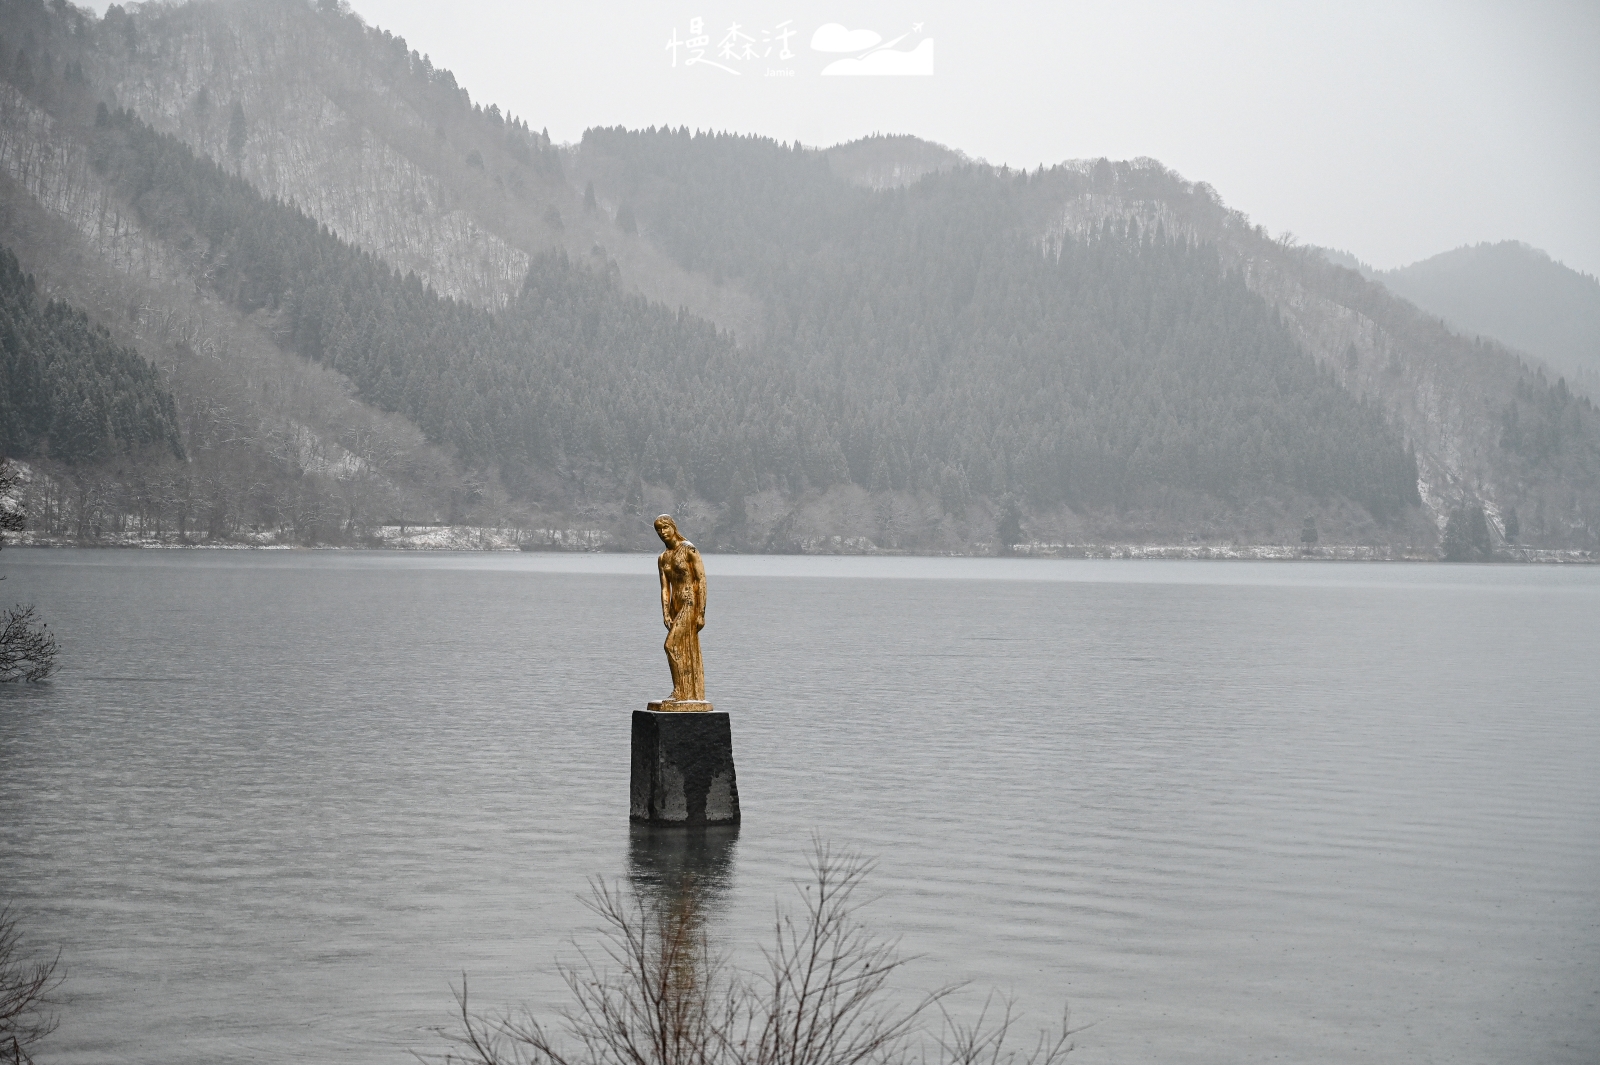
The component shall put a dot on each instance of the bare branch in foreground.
(27, 648)
(25, 990)
(984, 1041)
(656, 994)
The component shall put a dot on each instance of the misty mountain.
(372, 296)
(1516, 294)
(946, 345)
(886, 161)
(1340, 257)
(768, 217)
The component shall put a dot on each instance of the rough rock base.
(683, 769)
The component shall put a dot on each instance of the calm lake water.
(275, 803)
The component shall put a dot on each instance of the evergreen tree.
(238, 130)
(736, 517)
(1008, 533)
(67, 390)
(1466, 534)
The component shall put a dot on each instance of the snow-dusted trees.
(27, 649)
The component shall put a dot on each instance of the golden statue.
(683, 611)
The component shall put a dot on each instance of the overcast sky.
(1392, 130)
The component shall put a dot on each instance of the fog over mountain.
(370, 298)
(1516, 294)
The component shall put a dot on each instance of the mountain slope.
(367, 137)
(891, 161)
(1451, 395)
(272, 446)
(1516, 294)
(1090, 375)
(1452, 398)
(1101, 348)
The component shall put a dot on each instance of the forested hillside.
(361, 131)
(972, 332)
(768, 216)
(953, 351)
(882, 344)
(1516, 294)
(886, 161)
(571, 371)
(273, 447)
(67, 390)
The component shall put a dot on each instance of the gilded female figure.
(683, 610)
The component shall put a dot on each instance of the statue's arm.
(666, 594)
(699, 593)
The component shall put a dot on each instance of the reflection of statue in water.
(682, 868)
(682, 877)
(683, 610)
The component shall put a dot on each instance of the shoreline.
(502, 544)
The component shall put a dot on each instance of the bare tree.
(25, 996)
(656, 994)
(27, 648)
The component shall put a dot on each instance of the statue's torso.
(678, 565)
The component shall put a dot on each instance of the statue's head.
(667, 529)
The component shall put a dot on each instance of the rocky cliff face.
(1448, 392)
(319, 129)
(367, 137)
(45, 162)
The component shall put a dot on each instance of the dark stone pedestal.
(683, 769)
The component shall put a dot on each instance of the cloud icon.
(835, 38)
(888, 62)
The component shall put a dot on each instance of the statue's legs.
(683, 656)
(674, 662)
(678, 654)
(697, 673)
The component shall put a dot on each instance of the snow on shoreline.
(479, 539)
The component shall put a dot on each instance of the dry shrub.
(657, 994)
(27, 646)
(25, 996)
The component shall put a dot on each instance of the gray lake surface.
(276, 803)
